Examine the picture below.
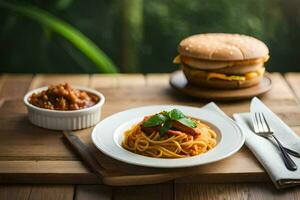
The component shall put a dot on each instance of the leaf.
(176, 114)
(63, 4)
(165, 113)
(79, 40)
(188, 122)
(155, 120)
(163, 130)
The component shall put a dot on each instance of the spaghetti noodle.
(175, 144)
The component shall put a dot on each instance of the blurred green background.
(67, 36)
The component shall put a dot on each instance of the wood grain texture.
(15, 192)
(59, 172)
(280, 99)
(117, 81)
(20, 140)
(241, 167)
(93, 192)
(131, 80)
(52, 192)
(157, 80)
(294, 81)
(104, 81)
(146, 192)
(14, 86)
(280, 89)
(41, 80)
(249, 191)
(1, 80)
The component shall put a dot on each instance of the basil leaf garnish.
(188, 122)
(176, 114)
(164, 129)
(155, 120)
(165, 113)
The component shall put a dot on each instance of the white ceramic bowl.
(65, 120)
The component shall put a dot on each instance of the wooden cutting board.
(240, 167)
(29, 154)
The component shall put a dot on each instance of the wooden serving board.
(179, 82)
(29, 154)
(118, 173)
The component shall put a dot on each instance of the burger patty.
(229, 67)
(204, 74)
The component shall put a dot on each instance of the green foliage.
(26, 47)
(132, 33)
(84, 44)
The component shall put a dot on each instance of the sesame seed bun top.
(223, 47)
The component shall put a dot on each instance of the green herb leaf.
(188, 122)
(165, 113)
(176, 114)
(163, 130)
(155, 120)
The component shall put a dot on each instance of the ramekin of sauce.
(63, 107)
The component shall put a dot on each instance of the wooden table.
(33, 153)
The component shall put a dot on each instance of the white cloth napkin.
(267, 151)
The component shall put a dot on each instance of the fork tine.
(260, 129)
(266, 123)
(263, 124)
(254, 123)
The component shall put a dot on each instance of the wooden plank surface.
(41, 80)
(117, 80)
(293, 80)
(19, 139)
(30, 154)
(93, 192)
(146, 192)
(15, 192)
(251, 191)
(162, 191)
(54, 192)
(34, 171)
(157, 80)
(61, 164)
(14, 86)
(36, 192)
(165, 191)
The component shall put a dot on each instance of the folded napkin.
(267, 151)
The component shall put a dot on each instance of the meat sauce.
(63, 97)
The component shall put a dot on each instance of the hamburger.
(225, 61)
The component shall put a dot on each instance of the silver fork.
(262, 128)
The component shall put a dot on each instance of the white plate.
(108, 135)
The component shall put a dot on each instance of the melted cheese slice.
(177, 59)
(247, 76)
(225, 77)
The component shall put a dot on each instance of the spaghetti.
(174, 144)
